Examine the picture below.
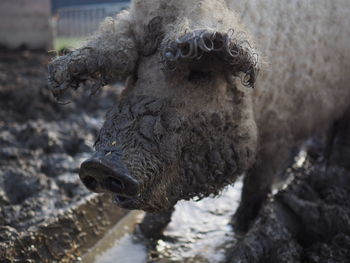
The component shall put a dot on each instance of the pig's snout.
(102, 175)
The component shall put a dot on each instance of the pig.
(214, 90)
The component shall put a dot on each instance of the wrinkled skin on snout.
(184, 126)
(169, 156)
(151, 154)
(176, 142)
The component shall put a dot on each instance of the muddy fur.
(108, 56)
(175, 156)
(187, 125)
(236, 54)
(308, 221)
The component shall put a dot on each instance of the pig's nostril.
(102, 175)
(114, 185)
(90, 183)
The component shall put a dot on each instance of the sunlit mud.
(199, 232)
(119, 245)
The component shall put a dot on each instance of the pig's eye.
(199, 76)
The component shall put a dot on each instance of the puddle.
(198, 232)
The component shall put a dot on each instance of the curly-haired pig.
(214, 90)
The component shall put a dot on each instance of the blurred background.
(73, 21)
(52, 23)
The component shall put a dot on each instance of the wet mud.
(42, 143)
(306, 220)
(198, 232)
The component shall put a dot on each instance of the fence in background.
(82, 21)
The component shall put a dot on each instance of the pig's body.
(187, 125)
(305, 84)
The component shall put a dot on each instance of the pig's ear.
(111, 54)
(233, 49)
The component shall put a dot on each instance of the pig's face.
(183, 127)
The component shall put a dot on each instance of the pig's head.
(184, 126)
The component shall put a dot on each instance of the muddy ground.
(42, 143)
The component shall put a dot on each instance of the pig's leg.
(111, 54)
(153, 224)
(256, 188)
(339, 149)
(257, 185)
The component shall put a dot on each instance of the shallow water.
(198, 232)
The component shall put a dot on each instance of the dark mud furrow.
(308, 222)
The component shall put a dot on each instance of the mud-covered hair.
(235, 51)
